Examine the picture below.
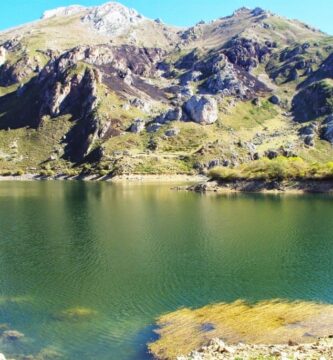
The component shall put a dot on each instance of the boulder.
(154, 127)
(172, 132)
(202, 109)
(275, 100)
(140, 104)
(138, 126)
(214, 163)
(309, 140)
(271, 154)
(12, 335)
(171, 115)
(308, 130)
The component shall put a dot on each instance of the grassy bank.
(280, 168)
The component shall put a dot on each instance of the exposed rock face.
(248, 53)
(327, 129)
(2, 55)
(293, 62)
(325, 71)
(14, 73)
(63, 11)
(140, 61)
(191, 76)
(230, 80)
(313, 101)
(61, 93)
(112, 18)
(203, 110)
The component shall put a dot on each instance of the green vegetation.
(76, 314)
(281, 168)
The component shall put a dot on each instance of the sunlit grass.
(280, 168)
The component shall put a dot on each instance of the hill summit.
(105, 90)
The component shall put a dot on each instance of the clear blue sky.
(318, 13)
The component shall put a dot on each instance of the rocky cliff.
(106, 90)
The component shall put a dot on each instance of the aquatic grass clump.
(75, 314)
(267, 322)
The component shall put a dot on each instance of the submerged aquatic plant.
(76, 314)
(266, 322)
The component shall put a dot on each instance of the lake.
(121, 255)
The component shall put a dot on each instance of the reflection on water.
(130, 253)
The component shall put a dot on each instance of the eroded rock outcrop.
(3, 53)
(327, 129)
(138, 126)
(112, 18)
(248, 53)
(230, 80)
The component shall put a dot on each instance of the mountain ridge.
(103, 89)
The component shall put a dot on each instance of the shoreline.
(200, 183)
(218, 350)
(135, 178)
(264, 186)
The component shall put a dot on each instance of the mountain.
(106, 90)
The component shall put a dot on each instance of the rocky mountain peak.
(244, 11)
(63, 11)
(112, 18)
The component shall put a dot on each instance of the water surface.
(133, 252)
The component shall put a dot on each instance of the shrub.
(281, 168)
(19, 173)
(47, 173)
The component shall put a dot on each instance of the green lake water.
(133, 252)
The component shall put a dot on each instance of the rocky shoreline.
(218, 350)
(115, 179)
(264, 186)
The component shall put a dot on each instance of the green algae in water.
(134, 252)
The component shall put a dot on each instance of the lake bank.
(218, 350)
(264, 186)
(143, 178)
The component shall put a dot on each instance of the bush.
(281, 168)
(103, 172)
(19, 173)
(47, 173)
